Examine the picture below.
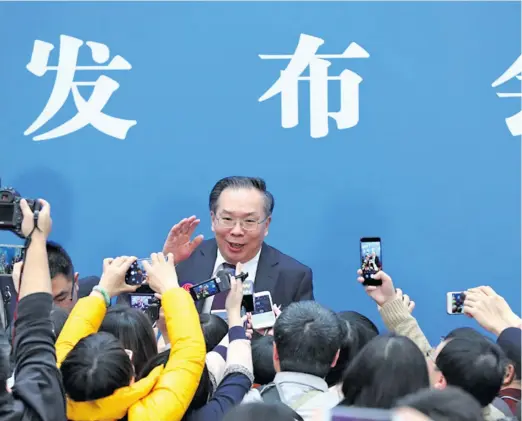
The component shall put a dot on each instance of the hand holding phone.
(263, 316)
(371, 259)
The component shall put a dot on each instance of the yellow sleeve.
(173, 393)
(86, 318)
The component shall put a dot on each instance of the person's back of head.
(262, 359)
(260, 412)
(466, 333)
(307, 338)
(357, 330)
(389, 367)
(510, 342)
(214, 329)
(452, 403)
(134, 330)
(96, 367)
(474, 364)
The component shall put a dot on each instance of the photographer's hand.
(161, 273)
(36, 277)
(234, 300)
(113, 277)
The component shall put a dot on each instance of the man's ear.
(441, 382)
(509, 375)
(212, 221)
(76, 277)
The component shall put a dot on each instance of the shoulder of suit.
(286, 260)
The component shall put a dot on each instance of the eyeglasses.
(249, 224)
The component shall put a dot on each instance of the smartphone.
(263, 316)
(136, 274)
(455, 302)
(343, 413)
(147, 303)
(205, 289)
(9, 255)
(371, 259)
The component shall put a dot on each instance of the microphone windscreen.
(223, 276)
(248, 287)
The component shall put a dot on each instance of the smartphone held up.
(371, 259)
(455, 302)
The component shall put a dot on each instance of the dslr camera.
(11, 216)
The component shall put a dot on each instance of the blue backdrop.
(431, 167)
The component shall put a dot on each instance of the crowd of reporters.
(102, 362)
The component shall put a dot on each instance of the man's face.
(62, 292)
(240, 224)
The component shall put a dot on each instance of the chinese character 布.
(305, 56)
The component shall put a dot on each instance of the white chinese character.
(287, 85)
(90, 111)
(514, 122)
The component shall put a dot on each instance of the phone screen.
(457, 302)
(262, 304)
(136, 274)
(146, 303)
(371, 256)
(9, 255)
(204, 290)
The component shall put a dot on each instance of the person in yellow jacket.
(97, 373)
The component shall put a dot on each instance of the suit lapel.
(267, 273)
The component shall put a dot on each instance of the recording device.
(144, 300)
(371, 259)
(9, 256)
(263, 316)
(137, 275)
(211, 287)
(455, 302)
(343, 413)
(11, 215)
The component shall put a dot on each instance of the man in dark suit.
(241, 211)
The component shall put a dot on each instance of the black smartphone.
(371, 259)
(136, 274)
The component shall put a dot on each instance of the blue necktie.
(219, 299)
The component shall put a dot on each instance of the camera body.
(11, 216)
(143, 299)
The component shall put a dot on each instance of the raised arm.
(37, 392)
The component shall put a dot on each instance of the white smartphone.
(455, 302)
(220, 313)
(263, 316)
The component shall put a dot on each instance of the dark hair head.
(452, 403)
(5, 361)
(386, 369)
(241, 182)
(357, 331)
(214, 329)
(60, 262)
(135, 332)
(473, 364)
(509, 341)
(260, 412)
(203, 391)
(95, 368)
(262, 359)
(307, 337)
(58, 318)
(465, 332)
